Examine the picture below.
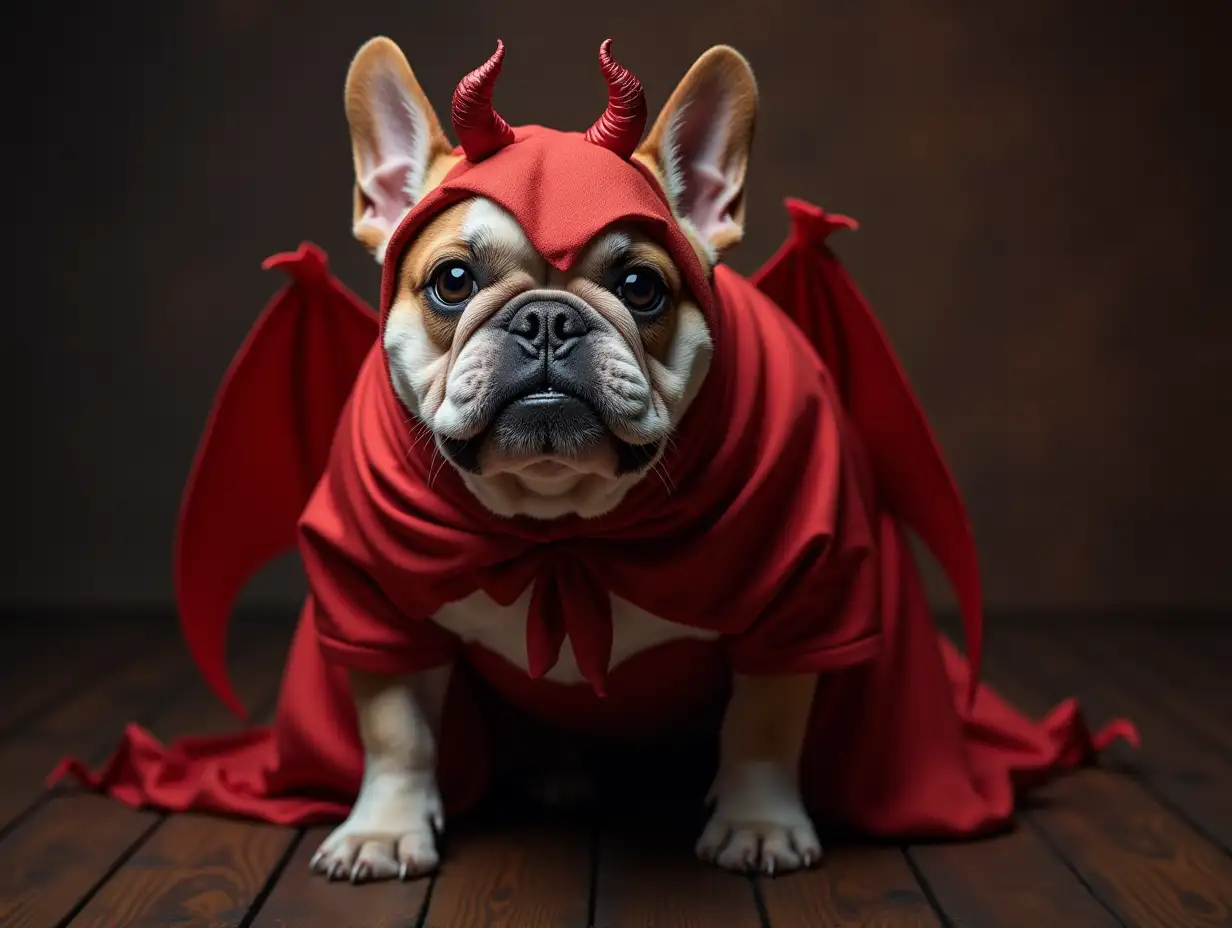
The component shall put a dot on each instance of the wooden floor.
(1143, 840)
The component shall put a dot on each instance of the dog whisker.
(419, 432)
(432, 470)
(668, 484)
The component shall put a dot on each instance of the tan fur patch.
(440, 240)
(372, 238)
(767, 717)
(720, 66)
(366, 97)
(657, 335)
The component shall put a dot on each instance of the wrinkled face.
(551, 392)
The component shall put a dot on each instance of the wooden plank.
(1142, 861)
(1213, 636)
(36, 845)
(89, 722)
(305, 900)
(58, 857)
(46, 664)
(856, 884)
(1013, 879)
(511, 873)
(1163, 664)
(194, 870)
(1185, 771)
(90, 725)
(1203, 640)
(255, 666)
(35, 633)
(648, 875)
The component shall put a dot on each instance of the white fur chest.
(502, 630)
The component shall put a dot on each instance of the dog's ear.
(699, 146)
(395, 137)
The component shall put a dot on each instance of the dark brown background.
(1043, 235)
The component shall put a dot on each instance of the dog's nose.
(547, 326)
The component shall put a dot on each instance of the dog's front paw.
(391, 831)
(759, 822)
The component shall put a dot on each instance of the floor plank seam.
(426, 906)
(125, 856)
(926, 888)
(1091, 842)
(759, 901)
(259, 900)
(165, 699)
(99, 672)
(7, 828)
(162, 702)
(1145, 781)
(1068, 864)
(596, 850)
(1121, 676)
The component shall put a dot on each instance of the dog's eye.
(454, 284)
(641, 290)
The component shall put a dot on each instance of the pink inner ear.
(385, 191)
(713, 196)
(708, 193)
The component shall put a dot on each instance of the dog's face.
(552, 393)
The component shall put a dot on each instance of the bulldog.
(553, 393)
(578, 472)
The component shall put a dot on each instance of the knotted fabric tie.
(567, 600)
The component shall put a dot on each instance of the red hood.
(563, 191)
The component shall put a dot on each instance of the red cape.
(781, 528)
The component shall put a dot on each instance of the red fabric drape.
(793, 474)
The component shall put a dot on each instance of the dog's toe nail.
(316, 861)
(402, 872)
(769, 866)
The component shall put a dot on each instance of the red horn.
(480, 129)
(620, 127)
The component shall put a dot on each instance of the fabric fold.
(780, 537)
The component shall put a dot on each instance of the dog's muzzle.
(547, 398)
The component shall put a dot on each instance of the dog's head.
(551, 391)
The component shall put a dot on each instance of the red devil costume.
(781, 529)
